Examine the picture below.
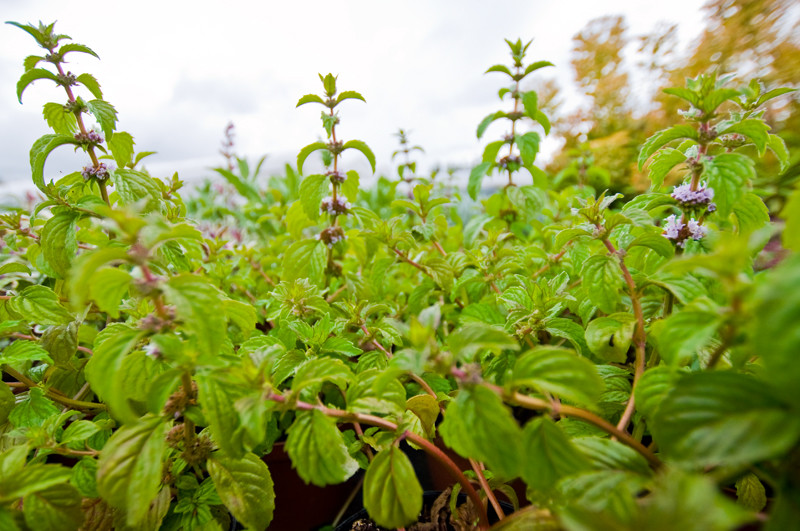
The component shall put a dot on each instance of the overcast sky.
(178, 71)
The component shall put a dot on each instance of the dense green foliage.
(153, 351)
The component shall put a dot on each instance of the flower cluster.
(687, 197)
(99, 172)
(90, 137)
(336, 176)
(334, 207)
(331, 235)
(679, 232)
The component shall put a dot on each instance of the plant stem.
(639, 338)
(188, 425)
(52, 393)
(478, 469)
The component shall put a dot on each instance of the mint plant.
(622, 363)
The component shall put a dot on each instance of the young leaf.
(129, 469)
(317, 449)
(472, 338)
(306, 151)
(530, 101)
(536, 66)
(663, 137)
(310, 98)
(59, 241)
(312, 189)
(75, 47)
(349, 95)
(350, 186)
(121, 146)
(543, 120)
(197, 303)
(499, 68)
(662, 164)
(488, 120)
(476, 177)
(392, 493)
(363, 148)
(39, 152)
(59, 119)
(88, 81)
(30, 76)
(133, 186)
(245, 487)
(105, 114)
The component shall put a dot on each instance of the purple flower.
(99, 172)
(679, 232)
(687, 197)
(673, 228)
(334, 207)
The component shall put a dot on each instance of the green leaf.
(245, 487)
(610, 337)
(602, 278)
(316, 371)
(84, 477)
(371, 395)
(121, 146)
(608, 454)
(473, 338)
(88, 81)
(663, 162)
(75, 47)
(790, 236)
(306, 151)
(477, 424)
(40, 305)
(59, 119)
(59, 241)
(349, 95)
(217, 394)
(7, 403)
(536, 66)
(23, 350)
(723, 418)
(476, 177)
(56, 508)
(750, 493)
(491, 150)
(499, 68)
(685, 94)
(39, 152)
(129, 469)
(778, 146)
(33, 410)
(312, 189)
(103, 370)
(30, 76)
(756, 130)
(561, 372)
(528, 145)
(569, 330)
(305, 259)
(31, 61)
(530, 100)
(488, 120)
(751, 213)
(684, 287)
(80, 430)
(297, 220)
(110, 285)
(543, 120)
(549, 455)
(105, 114)
(309, 98)
(197, 303)
(244, 187)
(350, 186)
(133, 186)
(656, 242)
(14, 267)
(684, 334)
(318, 451)
(663, 137)
(392, 493)
(363, 148)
